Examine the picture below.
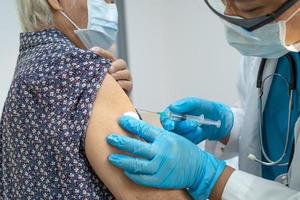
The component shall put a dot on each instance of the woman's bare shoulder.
(110, 103)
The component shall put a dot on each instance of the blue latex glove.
(190, 129)
(165, 160)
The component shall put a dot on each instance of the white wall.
(9, 45)
(176, 49)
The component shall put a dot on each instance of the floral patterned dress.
(45, 118)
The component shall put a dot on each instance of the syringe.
(202, 121)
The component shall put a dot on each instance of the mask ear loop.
(283, 31)
(293, 15)
(69, 19)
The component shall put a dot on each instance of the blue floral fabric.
(44, 121)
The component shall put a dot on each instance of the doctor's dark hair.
(34, 15)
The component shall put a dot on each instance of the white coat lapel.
(294, 174)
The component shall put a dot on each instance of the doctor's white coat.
(246, 184)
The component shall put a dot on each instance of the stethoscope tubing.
(291, 88)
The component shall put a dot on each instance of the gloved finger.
(131, 164)
(196, 136)
(118, 65)
(191, 130)
(196, 106)
(145, 180)
(167, 124)
(125, 85)
(186, 106)
(131, 145)
(103, 53)
(139, 128)
(122, 75)
(186, 126)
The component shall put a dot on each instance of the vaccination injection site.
(150, 100)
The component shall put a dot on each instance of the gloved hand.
(165, 160)
(190, 129)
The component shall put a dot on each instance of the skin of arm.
(225, 140)
(217, 191)
(111, 102)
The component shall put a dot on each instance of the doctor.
(263, 129)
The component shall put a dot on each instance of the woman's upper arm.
(110, 103)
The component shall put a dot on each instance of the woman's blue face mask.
(102, 26)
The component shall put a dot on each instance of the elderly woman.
(62, 104)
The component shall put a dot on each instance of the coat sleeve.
(244, 186)
(231, 149)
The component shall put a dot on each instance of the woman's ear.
(55, 5)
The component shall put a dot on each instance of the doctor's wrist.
(225, 140)
(206, 176)
(218, 189)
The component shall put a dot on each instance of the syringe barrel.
(204, 121)
(200, 119)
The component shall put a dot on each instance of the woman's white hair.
(34, 14)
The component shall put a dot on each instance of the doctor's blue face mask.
(268, 41)
(262, 36)
(102, 26)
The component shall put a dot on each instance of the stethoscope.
(291, 85)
